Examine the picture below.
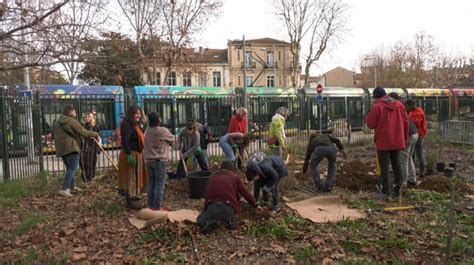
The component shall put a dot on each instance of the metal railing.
(461, 132)
(343, 116)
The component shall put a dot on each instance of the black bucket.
(448, 172)
(452, 165)
(440, 166)
(197, 183)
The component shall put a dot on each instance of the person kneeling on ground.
(266, 172)
(320, 147)
(223, 199)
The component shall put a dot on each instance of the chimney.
(200, 50)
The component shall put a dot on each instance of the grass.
(363, 204)
(160, 234)
(304, 254)
(30, 222)
(106, 207)
(276, 229)
(11, 192)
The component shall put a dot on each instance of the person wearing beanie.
(388, 119)
(222, 202)
(267, 174)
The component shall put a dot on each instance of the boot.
(133, 203)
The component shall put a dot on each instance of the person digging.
(222, 202)
(319, 148)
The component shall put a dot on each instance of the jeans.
(71, 161)
(195, 161)
(275, 192)
(227, 148)
(385, 158)
(406, 160)
(218, 212)
(319, 153)
(420, 156)
(180, 173)
(156, 171)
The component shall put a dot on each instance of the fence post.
(348, 119)
(37, 108)
(4, 134)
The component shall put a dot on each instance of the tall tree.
(143, 16)
(317, 23)
(81, 20)
(113, 60)
(181, 21)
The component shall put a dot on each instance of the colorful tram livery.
(175, 104)
(340, 107)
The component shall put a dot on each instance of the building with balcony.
(266, 61)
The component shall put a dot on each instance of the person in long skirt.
(89, 149)
(132, 168)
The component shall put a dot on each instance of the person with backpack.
(67, 133)
(266, 173)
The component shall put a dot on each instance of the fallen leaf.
(278, 248)
(37, 239)
(69, 232)
(327, 261)
(80, 249)
(79, 256)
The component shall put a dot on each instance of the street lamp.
(374, 58)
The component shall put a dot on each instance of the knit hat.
(379, 92)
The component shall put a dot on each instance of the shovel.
(105, 153)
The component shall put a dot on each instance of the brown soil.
(440, 184)
(356, 176)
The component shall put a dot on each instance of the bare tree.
(330, 19)
(28, 32)
(81, 21)
(143, 16)
(181, 20)
(317, 22)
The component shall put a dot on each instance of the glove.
(266, 189)
(130, 160)
(234, 146)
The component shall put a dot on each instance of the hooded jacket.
(66, 133)
(418, 117)
(277, 129)
(272, 168)
(389, 120)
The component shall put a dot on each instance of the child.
(157, 144)
(266, 172)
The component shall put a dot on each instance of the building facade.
(267, 64)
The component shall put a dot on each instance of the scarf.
(141, 137)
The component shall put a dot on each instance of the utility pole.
(245, 73)
(28, 100)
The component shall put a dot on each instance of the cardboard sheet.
(325, 209)
(182, 215)
(159, 217)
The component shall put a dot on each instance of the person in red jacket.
(389, 120)
(222, 201)
(238, 123)
(417, 115)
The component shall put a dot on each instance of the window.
(216, 79)
(203, 79)
(248, 59)
(279, 55)
(187, 79)
(270, 81)
(172, 79)
(158, 78)
(238, 56)
(248, 80)
(239, 80)
(270, 58)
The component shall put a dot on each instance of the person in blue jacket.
(266, 172)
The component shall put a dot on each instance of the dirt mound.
(441, 184)
(356, 176)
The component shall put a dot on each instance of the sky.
(373, 24)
